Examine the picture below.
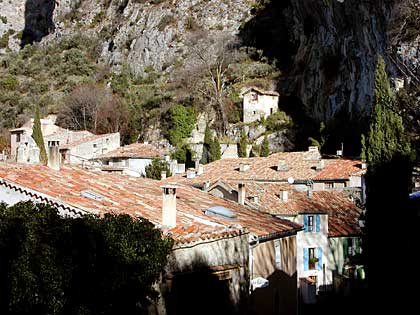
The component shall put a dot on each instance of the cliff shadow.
(38, 20)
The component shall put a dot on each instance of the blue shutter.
(305, 222)
(305, 259)
(319, 258)
(318, 222)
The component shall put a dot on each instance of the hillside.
(150, 55)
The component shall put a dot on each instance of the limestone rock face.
(326, 50)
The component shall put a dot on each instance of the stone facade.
(258, 103)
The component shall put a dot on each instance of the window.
(18, 137)
(312, 258)
(254, 112)
(271, 111)
(312, 222)
(95, 145)
(329, 185)
(254, 97)
(351, 247)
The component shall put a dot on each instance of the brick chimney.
(54, 158)
(241, 193)
(169, 206)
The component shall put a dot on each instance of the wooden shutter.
(318, 222)
(305, 259)
(319, 258)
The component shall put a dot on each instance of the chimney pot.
(53, 155)
(243, 167)
(310, 192)
(169, 206)
(241, 193)
(321, 165)
(284, 195)
(190, 173)
(163, 175)
(282, 165)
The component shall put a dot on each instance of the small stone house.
(130, 159)
(258, 103)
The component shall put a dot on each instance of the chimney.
(320, 165)
(190, 173)
(169, 206)
(163, 175)
(282, 165)
(200, 170)
(284, 195)
(363, 165)
(310, 192)
(243, 167)
(241, 193)
(53, 155)
(197, 165)
(255, 199)
(313, 148)
(339, 152)
(206, 186)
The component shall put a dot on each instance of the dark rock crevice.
(38, 20)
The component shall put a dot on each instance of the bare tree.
(113, 115)
(81, 107)
(213, 54)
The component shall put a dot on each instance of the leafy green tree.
(243, 142)
(265, 148)
(87, 265)
(38, 138)
(154, 170)
(180, 122)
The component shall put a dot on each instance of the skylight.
(91, 195)
(221, 212)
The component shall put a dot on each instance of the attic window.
(91, 195)
(221, 212)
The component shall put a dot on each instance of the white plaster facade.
(314, 239)
(258, 104)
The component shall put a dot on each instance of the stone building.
(258, 103)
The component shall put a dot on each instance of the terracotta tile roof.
(298, 165)
(84, 140)
(135, 150)
(141, 197)
(258, 90)
(342, 212)
(339, 169)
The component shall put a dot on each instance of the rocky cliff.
(326, 49)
